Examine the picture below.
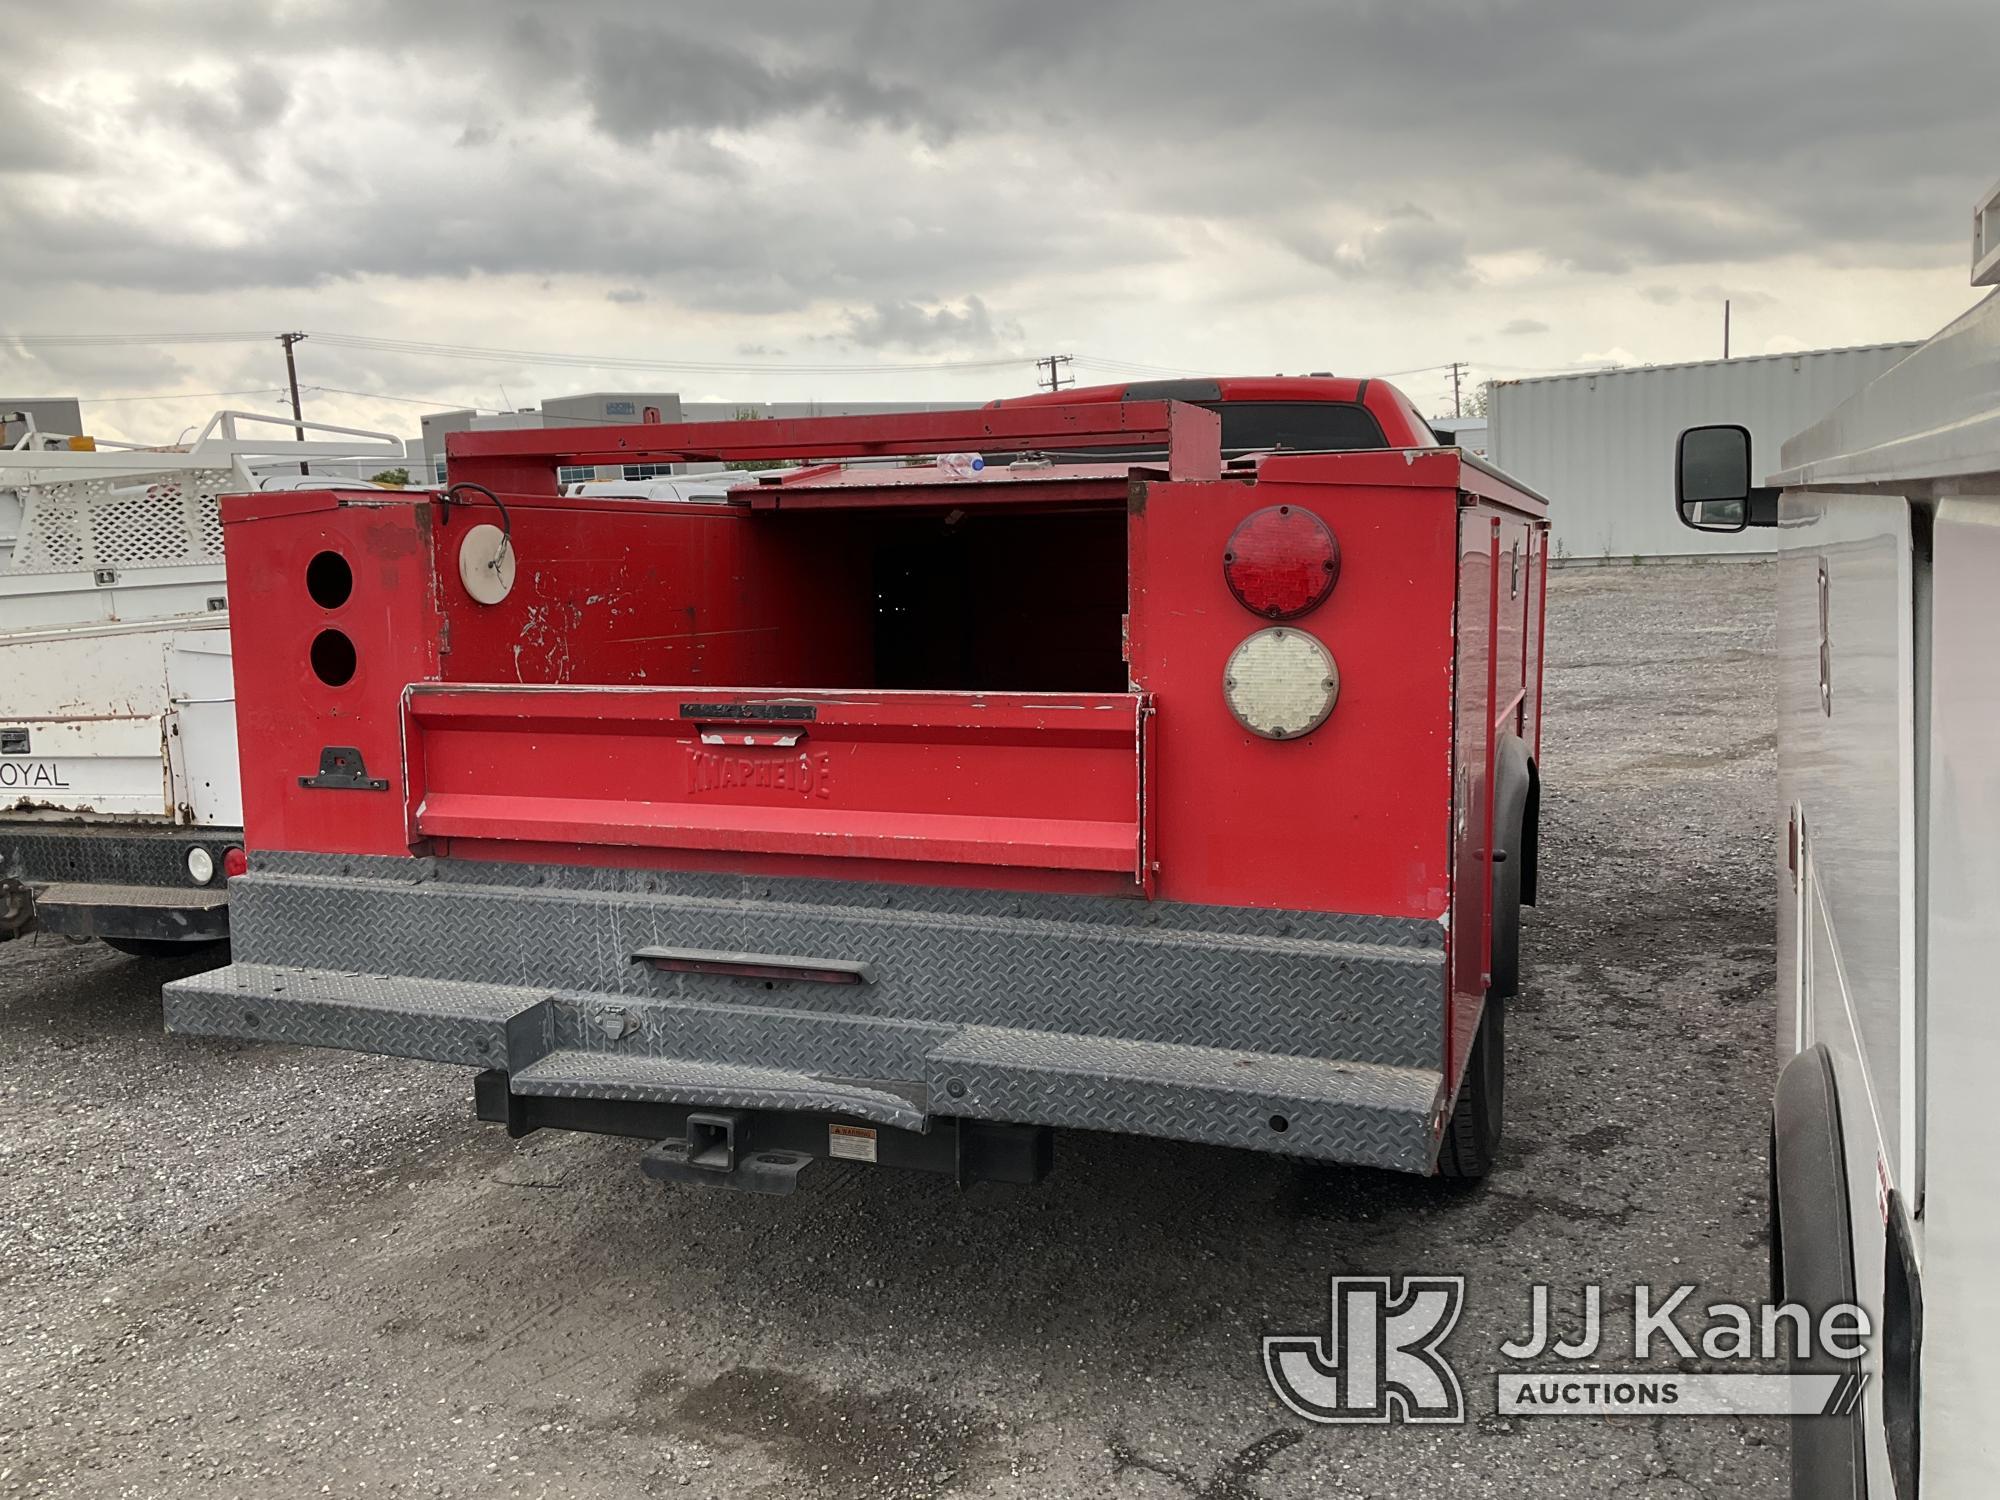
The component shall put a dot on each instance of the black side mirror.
(1712, 488)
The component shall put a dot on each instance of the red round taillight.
(234, 862)
(1282, 561)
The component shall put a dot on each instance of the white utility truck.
(1884, 1165)
(120, 815)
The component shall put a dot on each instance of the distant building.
(1468, 433)
(62, 414)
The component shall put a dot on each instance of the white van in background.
(1884, 1166)
(120, 815)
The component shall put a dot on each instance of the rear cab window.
(1301, 426)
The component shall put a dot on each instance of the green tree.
(1473, 400)
(394, 478)
(751, 414)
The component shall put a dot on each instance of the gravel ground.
(254, 1271)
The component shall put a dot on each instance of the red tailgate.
(1049, 781)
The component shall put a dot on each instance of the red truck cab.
(903, 811)
(1304, 413)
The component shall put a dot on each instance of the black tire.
(159, 947)
(1472, 1134)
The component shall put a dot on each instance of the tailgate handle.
(755, 965)
(780, 739)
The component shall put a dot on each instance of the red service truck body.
(899, 810)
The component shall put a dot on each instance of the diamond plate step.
(896, 1073)
(1363, 1113)
(155, 897)
(91, 909)
(600, 1075)
(436, 1020)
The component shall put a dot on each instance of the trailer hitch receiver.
(712, 1154)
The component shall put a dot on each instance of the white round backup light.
(201, 865)
(1281, 683)
(486, 564)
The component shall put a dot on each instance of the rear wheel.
(159, 947)
(1472, 1135)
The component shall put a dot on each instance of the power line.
(417, 348)
(269, 390)
(336, 390)
(1053, 364)
(77, 339)
(432, 350)
(1100, 362)
(1129, 366)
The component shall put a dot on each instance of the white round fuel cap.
(486, 563)
(1281, 683)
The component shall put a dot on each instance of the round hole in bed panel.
(333, 658)
(329, 580)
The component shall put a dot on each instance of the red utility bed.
(890, 812)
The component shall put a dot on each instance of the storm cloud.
(1265, 184)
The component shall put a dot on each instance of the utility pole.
(1457, 368)
(1054, 379)
(292, 375)
(1725, 328)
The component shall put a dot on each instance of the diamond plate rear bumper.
(168, 914)
(112, 879)
(1303, 1033)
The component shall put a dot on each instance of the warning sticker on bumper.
(850, 1142)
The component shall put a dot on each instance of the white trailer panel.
(119, 789)
(1887, 527)
(1600, 444)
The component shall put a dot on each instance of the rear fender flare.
(1516, 794)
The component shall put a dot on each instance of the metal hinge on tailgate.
(341, 769)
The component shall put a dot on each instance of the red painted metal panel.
(1516, 589)
(629, 592)
(510, 459)
(1538, 627)
(1351, 817)
(1497, 692)
(1437, 468)
(947, 788)
(1043, 781)
(285, 715)
(1471, 795)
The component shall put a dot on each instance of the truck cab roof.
(1310, 413)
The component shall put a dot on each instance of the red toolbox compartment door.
(1050, 781)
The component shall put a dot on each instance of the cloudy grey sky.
(1241, 185)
